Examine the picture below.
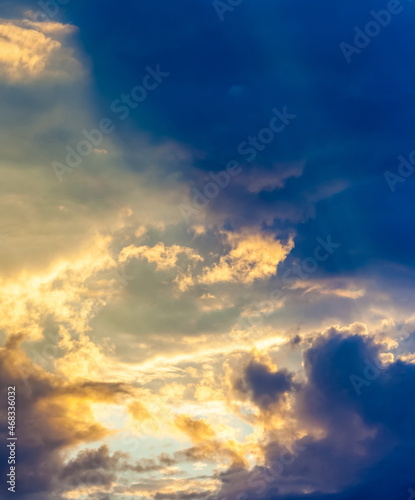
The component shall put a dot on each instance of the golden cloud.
(207, 445)
(56, 415)
(165, 257)
(31, 51)
(253, 255)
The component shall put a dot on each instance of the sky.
(207, 250)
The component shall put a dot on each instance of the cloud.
(252, 256)
(149, 465)
(32, 52)
(256, 180)
(164, 257)
(91, 469)
(264, 386)
(53, 416)
(197, 430)
(363, 439)
(182, 495)
(208, 447)
(338, 287)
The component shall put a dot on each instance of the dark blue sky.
(352, 120)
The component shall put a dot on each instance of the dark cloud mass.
(262, 385)
(353, 120)
(369, 438)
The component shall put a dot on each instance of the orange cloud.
(30, 51)
(53, 416)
